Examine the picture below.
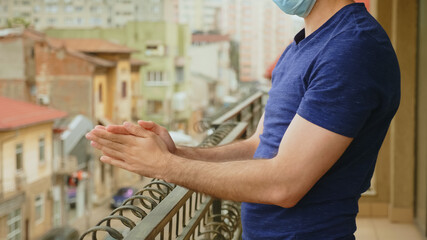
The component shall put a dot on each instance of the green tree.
(17, 22)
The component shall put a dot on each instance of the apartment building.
(44, 14)
(90, 79)
(26, 156)
(261, 30)
(211, 65)
(99, 85)
(164, 81)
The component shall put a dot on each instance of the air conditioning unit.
(43, 99)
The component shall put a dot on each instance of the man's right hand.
(148, 125)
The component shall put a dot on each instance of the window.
(19, 157)
(39, 206)
(154, 107)
(79, 8)
(42, 148)
(156, 78)
(100, 93)
(52, 8)
(51, 21)
(96, 21)
(179, 74)
(96, 9)
(124, 89)
(154, 50)
(69, 21)
(57, 213)
(69, 8)
(14, 225)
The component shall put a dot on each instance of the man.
(334, 92)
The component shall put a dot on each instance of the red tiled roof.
(95, 60)
(17, 114)
(137, 62)
(210, 38)
(91, 45)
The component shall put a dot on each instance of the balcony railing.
(164, 211)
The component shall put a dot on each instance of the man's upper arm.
(306, 153)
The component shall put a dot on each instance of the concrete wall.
(66, 79)
(123, 105)
(12, 62)
(396, 165)
(421, 147)
(38, 228)
(100, 104)
(12, 69)
(205, 60)
(137, 97)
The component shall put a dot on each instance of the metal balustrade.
(162, 210)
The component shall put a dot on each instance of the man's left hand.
(142, 152)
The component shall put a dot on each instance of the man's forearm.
(239, 150)
(245, 181)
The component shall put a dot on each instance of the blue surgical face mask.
(296, 7)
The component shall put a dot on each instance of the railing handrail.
(231, 113)
(149, 227)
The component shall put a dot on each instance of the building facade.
(211, 65)
(44, 14)
(26, 156)
(399, 190)
(92, 80)
(164, 81)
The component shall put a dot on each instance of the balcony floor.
(383, 229)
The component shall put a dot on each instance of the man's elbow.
(252, 143)
(284, 198)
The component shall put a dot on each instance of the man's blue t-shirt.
(344, 77)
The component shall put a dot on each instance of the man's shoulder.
(364, 44)
(359, 30)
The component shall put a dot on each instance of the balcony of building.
(394, 207)
(161, 210)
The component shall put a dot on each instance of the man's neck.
(322, 11)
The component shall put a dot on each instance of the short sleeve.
(341, 89)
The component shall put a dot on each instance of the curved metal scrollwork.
(226, 227)
(139, 205)
(220, 134)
